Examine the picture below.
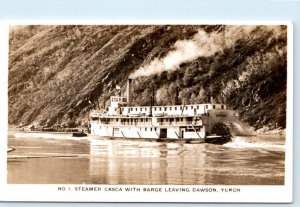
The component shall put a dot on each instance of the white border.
(257, 193)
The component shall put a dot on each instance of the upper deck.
(175, 110)
(159, 111)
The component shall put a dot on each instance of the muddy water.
(65, 160)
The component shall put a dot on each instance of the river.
(49, 159)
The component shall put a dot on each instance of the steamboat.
(195, 123)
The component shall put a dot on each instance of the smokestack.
(153, 96)
(129, 80)
(152, 101)
(176, 96)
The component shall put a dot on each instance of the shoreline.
(266, 131)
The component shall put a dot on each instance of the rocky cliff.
(57, 74)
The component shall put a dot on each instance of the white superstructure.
(179, 122)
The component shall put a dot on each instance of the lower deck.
(163, 132)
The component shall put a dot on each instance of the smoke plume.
(203, 44)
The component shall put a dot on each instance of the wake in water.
(47, 135)
(253, 142)
(264, 142)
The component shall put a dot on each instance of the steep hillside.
(58, 73)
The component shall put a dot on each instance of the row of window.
(160, 120)
(160, 108)
(148, 120)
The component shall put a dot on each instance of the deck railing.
(149, 124)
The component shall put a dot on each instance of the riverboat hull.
(208, 139)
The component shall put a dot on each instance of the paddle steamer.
(181, 123)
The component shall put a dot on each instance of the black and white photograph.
(172, 108)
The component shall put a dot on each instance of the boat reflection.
(141, 162)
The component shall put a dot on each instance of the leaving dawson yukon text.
(152, 189)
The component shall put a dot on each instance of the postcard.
(146, 111)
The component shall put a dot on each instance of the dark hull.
(79, 134)
(212, 140)
(218, 140)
